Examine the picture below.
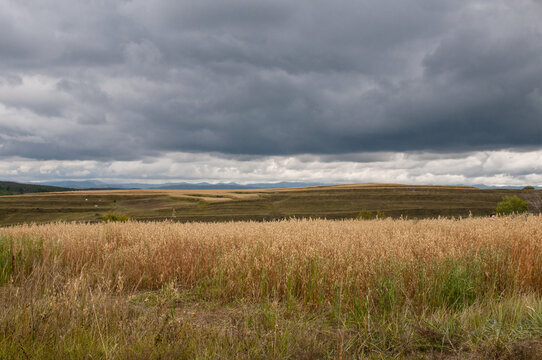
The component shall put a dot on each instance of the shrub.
(368, 215)
(365, 215)
(528, 187)
(511, 205)
(110, 217)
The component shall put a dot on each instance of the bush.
(110, 217)
(528, 187)
(368, 215)
(365, 215)
(511, 205)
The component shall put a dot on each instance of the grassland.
(331, 202)
(293, 289)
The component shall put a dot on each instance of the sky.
(343, 91)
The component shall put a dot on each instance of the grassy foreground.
(296, 289)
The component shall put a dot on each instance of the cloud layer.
(496, 168)
(130, 82)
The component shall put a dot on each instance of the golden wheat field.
(441, 288)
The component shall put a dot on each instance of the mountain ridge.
(96, 184)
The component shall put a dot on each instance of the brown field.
(330, 202)
(296, 289)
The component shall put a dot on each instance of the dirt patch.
(441, 356)
(525, 350)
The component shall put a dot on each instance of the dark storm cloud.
(121, 80)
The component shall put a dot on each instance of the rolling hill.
(13, 188)
(331, 202)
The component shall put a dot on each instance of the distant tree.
(511, 205)
(528, 187)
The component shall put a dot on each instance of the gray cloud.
(348, 81)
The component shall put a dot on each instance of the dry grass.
(287, 289)
(207, 195)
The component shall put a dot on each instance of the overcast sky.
(432, 92)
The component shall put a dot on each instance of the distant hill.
(232, 186)
(86, 185)
(13, 188)
(482, 186)
(95, 184)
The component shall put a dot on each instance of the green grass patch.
(18, 257)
